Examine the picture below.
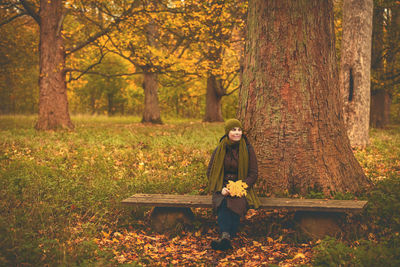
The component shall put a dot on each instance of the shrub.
(332, 253)
(383, 206)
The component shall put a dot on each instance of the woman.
(233, 159)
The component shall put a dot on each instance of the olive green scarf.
(217, 169)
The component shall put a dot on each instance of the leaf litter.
(192, 246)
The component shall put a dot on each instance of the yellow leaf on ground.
(257, 244)
(299, 255)
(106, 235)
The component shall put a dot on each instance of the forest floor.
(60, 194)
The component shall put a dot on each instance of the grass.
(58, 190)
(381, 158)
(57, 187)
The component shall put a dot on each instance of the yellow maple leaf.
(237, 189)
(299, 255)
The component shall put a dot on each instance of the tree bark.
(110, 108)
(213, 99)
(53, 102)
(355, 76)
(151, 112)
(380, 108)
(289, 102)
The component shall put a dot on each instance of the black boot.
(222, 244)
(225, 244)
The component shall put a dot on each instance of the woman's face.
(235, 134)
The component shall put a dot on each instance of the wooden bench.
(316, 217)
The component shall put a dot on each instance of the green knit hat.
(232, 123)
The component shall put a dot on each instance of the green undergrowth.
(373, 237)
(375, 234)
(331, 252)
(59, 190)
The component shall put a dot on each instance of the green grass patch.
(60, 190)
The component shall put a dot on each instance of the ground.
(60, 194)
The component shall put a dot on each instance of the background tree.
(290, 103)
(53, 101)
(18, 66)
(214, 27)
(50, 16)
(380, 98)
(392, 73)
(180, 58)
(150, 49)
(151, 111)
(355, 68)
(385, 82)
(102, 90)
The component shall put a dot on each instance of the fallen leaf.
(299, 255)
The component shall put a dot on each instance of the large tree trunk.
(53, 102)
(213, 99)
(355, 77)
(151, 112)
(289, 103)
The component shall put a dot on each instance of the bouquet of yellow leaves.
(237, 189)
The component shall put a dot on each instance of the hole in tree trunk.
(351, 85)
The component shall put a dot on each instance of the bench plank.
(197, 201)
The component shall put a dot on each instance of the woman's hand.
(225, 191)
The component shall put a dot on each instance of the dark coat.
(238, 205)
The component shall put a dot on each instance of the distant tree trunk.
(151, 112)
(289, 103)
(393, 56)
(111, 108)
(355, 77)
(92, 104)
(380, 108)
(7, 96)
(380, 99)
(53, 102)
(213, 99)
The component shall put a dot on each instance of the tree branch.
(231, 92)
(102, 74)
(29, 8)
(231, 80)
(88, 41)
(84, 71)
(103, 32)
(12, 18)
